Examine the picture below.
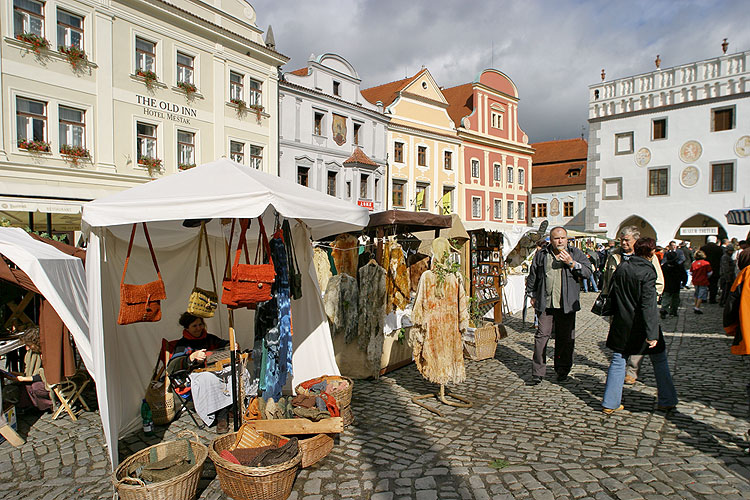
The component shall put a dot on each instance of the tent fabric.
(59, 277)
(739, 217)
(405, 221)
(124, 355)
(58, 358)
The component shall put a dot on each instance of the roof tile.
(460, 101)
(560, 151)
(359, 156)
(388, 92)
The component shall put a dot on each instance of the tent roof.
(739, 216)
(405, 221)
(227, 189)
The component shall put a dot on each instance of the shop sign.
(156, 108)
(699, 231)
(602, 224)
(367, 204)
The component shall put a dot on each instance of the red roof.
(359, 156)
(388, 92)
(460, 101)
(559, 174)
(300, 72)
(560, 151)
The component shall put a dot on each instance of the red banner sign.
(367, 204)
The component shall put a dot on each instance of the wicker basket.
(182, 487)
(253, 483)
(313, 449)
(343, 396)
(485, 343)
(347, 415)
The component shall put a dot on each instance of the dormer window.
(336, 88)
(574, 172)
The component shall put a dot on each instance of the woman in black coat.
(635, 327)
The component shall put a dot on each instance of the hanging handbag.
(295, 277)
(602, 305)
(203, 303)
(141, 303)
(249, 284)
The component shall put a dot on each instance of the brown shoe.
(610, 411)
(629, 380)
(222, 426)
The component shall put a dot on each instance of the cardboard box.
(9, 412)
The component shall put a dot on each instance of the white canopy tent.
(59, 277)
(125, 355)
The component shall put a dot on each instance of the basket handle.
(131, 480)
(190, 434)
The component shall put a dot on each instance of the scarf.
(186, 335)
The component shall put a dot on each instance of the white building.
(331, 138)
(157, 91)
(669, 150)
(559, 191)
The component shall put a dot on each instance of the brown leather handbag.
(249, 284)
(141, 303)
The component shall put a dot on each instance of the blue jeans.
(667, 395)
(590, 281)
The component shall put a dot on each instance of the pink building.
(495, 174)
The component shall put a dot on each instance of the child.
(701, 271)
(674, 273)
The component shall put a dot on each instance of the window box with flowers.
(185, 166)
(153, 165)
(75, 55)
(258, 109)
(74, 153)
(240, 104)
(187, 87)
(149, 78)
(34, 146)
(37, 42)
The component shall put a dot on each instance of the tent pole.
(232, 360)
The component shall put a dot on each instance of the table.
(10, 345)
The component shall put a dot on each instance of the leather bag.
(602, 305)
(249, 284)
(295, 276)
(141, 303)
(203, 303)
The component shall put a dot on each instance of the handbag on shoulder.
(141, 303)
(203, 303)
(295, 277)
(249, 284)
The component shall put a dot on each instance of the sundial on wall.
(689, 176)
(691, 151)
(742, 148)
(643, 157)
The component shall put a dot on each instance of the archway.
(646, 229)
(698, 228)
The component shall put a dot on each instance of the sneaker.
(610, 411)
(535, 380)
(222, 426)
(629, 380)
(697, 311)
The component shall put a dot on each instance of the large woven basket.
(253, 483)
(485, 343)
(347, 415)
(343, 396)
(313, 449)
(182, 487)
(161, 401)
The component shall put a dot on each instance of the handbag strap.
(242, 243)
(287, 230)
(203, 236)
(130, 248)
(263, 239)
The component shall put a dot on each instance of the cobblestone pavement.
(548, 441)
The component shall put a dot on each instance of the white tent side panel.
(130, 351)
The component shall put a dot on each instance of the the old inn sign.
(156, 108)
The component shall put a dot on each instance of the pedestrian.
(737, 308)
(713, 254)
(702, 272)
(635, 328)
(628, 236)
(594, 261)
(673, 271)
(687, 252)
(554, 287)
(727, 273)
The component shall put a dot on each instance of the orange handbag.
(248, 284)
(141, 303)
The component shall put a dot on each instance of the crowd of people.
(633, 279)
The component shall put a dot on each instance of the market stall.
(123, 355)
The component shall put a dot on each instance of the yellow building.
(423, 148)
(102, 96)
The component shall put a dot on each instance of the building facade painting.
(332, 139)
(163, 86)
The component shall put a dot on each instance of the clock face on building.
(643, 157)
(691, 151)
(742, 148)
(689, 176)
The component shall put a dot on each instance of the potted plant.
(185, 166)
(152, 164)
(258, 110)
(241, 105)
(75, 55)
(188, 88)
(74, 153)
(34, 146)
(149, 77)
(37, 42)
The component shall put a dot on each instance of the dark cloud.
(553, 50)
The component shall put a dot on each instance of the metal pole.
(49, 225)
(233, 360)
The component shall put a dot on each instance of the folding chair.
(68, 393)
(178, 381)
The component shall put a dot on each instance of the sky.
(553, 50)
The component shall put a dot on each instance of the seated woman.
(209, 389)
(31, 388)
